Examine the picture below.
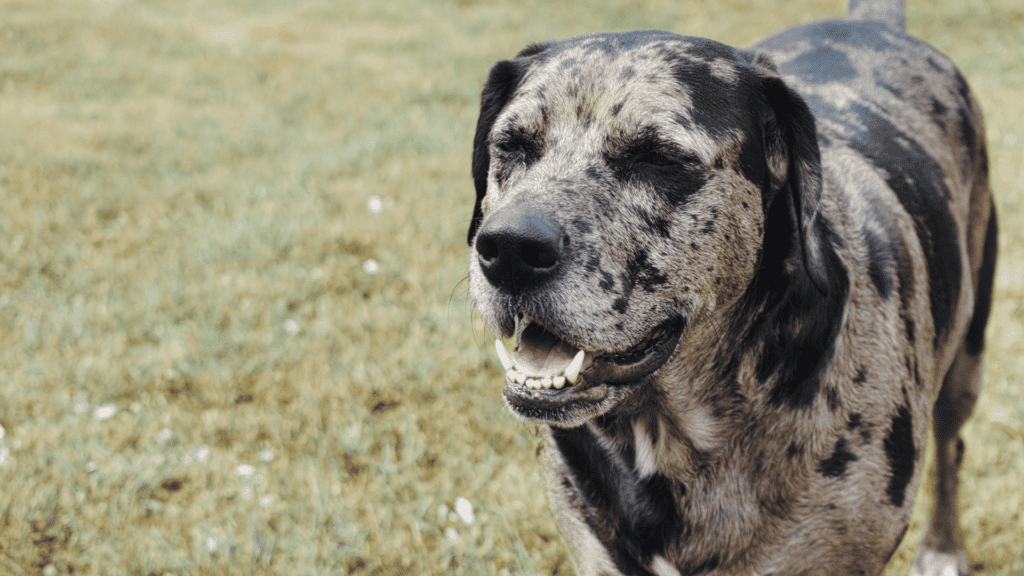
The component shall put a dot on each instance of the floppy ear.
(794, 165)
(502, 82)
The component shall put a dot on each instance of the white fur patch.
(646, 461)
(701, 427)
(661, 567)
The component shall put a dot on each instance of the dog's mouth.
(545, 376)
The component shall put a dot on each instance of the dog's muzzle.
(545, 375)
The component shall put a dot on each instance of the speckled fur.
(826, 230)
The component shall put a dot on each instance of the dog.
(741, 283)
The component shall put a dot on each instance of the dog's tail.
(892, 12)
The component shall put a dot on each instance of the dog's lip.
(599, 370)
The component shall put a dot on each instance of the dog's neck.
(664, 467)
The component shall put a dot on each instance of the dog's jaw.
(549, 381)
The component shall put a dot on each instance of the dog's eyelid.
(514, 141)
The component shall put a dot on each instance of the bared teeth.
(570, 375)
(503, 355)
(572, 371)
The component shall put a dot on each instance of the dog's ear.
(794, 167)
(502, 82)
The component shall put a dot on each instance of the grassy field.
(235, 336)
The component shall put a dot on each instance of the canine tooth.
(510, 374)
(572, 372)
(545, 382)
(520, 378)
(558, 382)
(503, 355)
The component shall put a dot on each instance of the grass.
(198, 372)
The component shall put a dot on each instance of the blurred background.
(235, 336)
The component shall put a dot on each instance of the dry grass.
(198, 374)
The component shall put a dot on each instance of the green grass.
(184, 232)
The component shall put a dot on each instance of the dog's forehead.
(624, 80)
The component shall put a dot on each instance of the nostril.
(539, 256)
(487, 249)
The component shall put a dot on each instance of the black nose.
(519, 249)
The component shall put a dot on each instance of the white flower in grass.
(375, 204)
(266, 456)
(202, 453)
(5, 453)
(2, 431)
(211, 543)
(90, 467)
(371, 266)
(163, 436)
(464, 510)
(266, 500)
(105, 412)
(452, 535)
(291, 326)
(245, 470)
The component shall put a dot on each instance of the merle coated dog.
(742, 283)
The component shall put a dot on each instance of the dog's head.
(631, 187)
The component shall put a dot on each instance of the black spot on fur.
(823, 65)
(714, 108)
(835, 465)
(862, 375)
(682, 120)
(974, 343)
(939, 112)
(901, 453)
(617, 108)
(658, 224)
(883, 256)
(837, 32)
(918, 182)
(640, 271)
(795, 449)
(631, 516)
(854, 421)
(607, 282)
(582, 225)
(968, 133)
(620, 305)
(908, 326)
(832, 399)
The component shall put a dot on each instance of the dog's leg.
(942, 551)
